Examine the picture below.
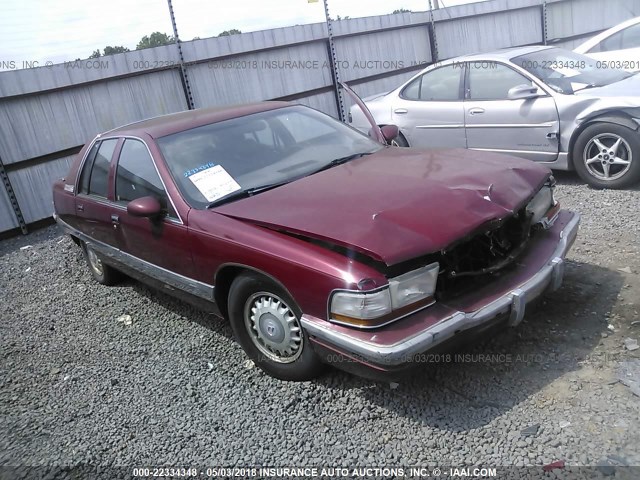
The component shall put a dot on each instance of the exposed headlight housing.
(543, 207)
(404, 295)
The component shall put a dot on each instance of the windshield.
(568, 72)
(255, 152)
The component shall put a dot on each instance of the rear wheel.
(266, 323)
(607, 155)
(101, 272)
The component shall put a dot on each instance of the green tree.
(108, 50)
(233, 31)
(401, 10)
(95, 54)
(156, 39)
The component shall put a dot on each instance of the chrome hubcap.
(607, 156)
(273, 327)
(94, 261)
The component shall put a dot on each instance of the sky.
(57, 31)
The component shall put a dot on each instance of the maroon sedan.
(316, 242)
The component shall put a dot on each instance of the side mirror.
(144, 207)
(389, 132)
(522, 92)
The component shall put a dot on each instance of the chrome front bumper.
(513, 303)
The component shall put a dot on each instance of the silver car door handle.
(401, 111)
(476, 111)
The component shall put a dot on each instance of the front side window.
(136, 175)
(441, 84)
(492, 81)
(94, 179)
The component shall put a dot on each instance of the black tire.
(400, 141)
(595, 172)
(100, 271)
(251, 290)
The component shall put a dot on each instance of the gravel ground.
(77, 386)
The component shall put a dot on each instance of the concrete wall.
(47, 113)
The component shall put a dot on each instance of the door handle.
(401, 111)
(80, 208)
(476, 111)
(115, 219)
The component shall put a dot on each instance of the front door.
(527, 128)
(156, 246)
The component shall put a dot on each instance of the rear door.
(159, 247)
(93, 205)
(527, 128)
(429, 110)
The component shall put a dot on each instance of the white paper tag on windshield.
(214, 183)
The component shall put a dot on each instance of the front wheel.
(607, 155)
(266, 323)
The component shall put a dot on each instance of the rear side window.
(94, 178)
(441, 84)
(137, 176)
(86, 170)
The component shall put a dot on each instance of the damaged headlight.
(543, 207)
(404, 295)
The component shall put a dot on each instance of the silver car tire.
(607, 155)
(100, 271)
(266, 323)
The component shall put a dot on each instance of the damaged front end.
(467, 263)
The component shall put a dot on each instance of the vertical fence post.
(433, 39)
(543, 18)
(333, 60)
(183, 70)
(12, 198)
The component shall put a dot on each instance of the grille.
(473, 262)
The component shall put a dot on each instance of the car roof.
(503, 54)
(163, 125)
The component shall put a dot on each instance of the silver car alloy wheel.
(273, 327)
(607, 156)
(94, 262)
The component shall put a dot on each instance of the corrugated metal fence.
(48, 113)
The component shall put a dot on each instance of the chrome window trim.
(172, 279)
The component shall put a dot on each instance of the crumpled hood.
(397, 204)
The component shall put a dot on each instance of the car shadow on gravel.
(572, 178)
(474, 384)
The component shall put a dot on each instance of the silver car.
(545, 104)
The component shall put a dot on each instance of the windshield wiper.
(247, 192)
(340, 161)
